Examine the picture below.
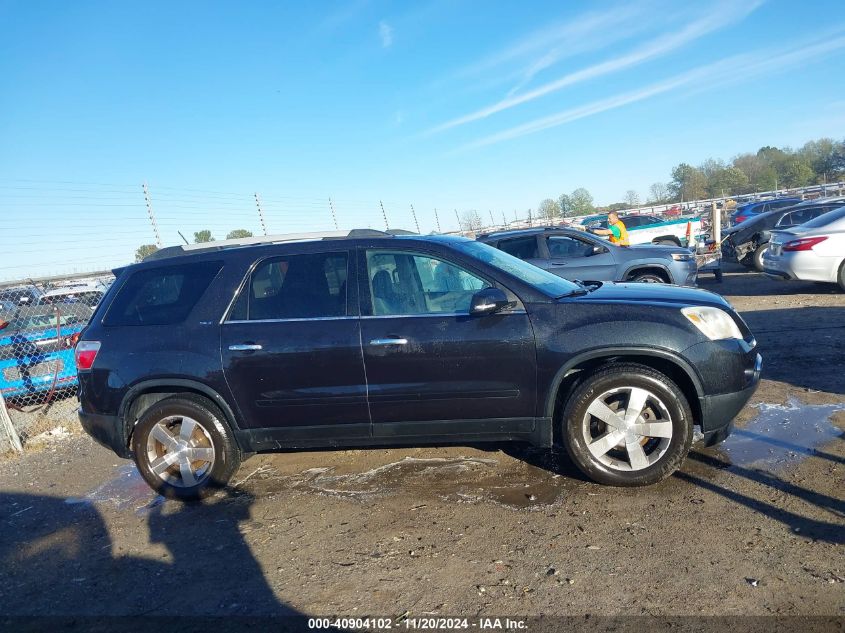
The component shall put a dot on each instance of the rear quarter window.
(160, 296)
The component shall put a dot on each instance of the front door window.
(408, 284)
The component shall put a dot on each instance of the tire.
(647, 278)
(161, 431)
(757, 261)
(841, 277)
(622, 464)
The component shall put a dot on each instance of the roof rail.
(204, 247)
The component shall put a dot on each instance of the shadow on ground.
(59, 560)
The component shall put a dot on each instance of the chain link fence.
(38, 332)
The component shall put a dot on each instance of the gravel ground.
(755, 526)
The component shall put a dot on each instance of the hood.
(652, 294)
(662, 249)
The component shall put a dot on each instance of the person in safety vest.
(615, 231)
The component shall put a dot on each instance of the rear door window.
(161, 296)
(295, 287)
(521, 247)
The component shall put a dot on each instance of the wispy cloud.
(728, 13)
(385, 32)
(586, 32)
(730, 70)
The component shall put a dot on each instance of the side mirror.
(596, 250)
(488, 301)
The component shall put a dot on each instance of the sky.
(440, 104)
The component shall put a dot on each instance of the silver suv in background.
(573, 254)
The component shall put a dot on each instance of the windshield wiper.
(579, 291)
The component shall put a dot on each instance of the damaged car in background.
(747, 242)
(814, 251)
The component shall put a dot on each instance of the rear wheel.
(758, 257)
(841, 277)
(184, 449)
(627, 425)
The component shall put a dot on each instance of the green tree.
(203, 236)
(582, 202)
(549, 210)
(688, 183)
(144, 250)
(632, 198)
(726, 181)
(796, 172)
(565, 204)
(238, 234)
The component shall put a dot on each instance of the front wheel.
(758, 257)
(841, 277)
(648, 278)
(184, 449)
(627, 425)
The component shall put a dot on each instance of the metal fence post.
(9, 428)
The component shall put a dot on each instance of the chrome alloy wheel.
(627, 428)
(179, 451)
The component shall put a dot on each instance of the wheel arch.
(667, 238)
(641, 267)
(669, 363)
(145, 394)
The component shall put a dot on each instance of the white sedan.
(814, 251)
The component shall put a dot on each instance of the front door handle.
(244, 347)
(389, 341)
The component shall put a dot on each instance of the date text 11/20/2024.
(419, 624)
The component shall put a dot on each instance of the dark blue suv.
(204, 354)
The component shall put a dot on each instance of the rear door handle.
(389, 341)
(244, 347)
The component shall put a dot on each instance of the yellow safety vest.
(622, 240)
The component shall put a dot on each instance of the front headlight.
(714, 323)
(682, 257)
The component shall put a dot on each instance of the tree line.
(769, 169)
(200, 237)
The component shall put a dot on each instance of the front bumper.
(718, 411)
(106, 431)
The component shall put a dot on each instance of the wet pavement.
(781, 435)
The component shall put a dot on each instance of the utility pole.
(384, 215)
(459, 220)
(260, 213)
(334, 215)
(492, 221)
(504, 220)
(151, 214)
(414, 213)
(437, 220)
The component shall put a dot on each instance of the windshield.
(544, 281)
(825, 218)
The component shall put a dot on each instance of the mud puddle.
(782, 435)
(126, 490)
(458, 479)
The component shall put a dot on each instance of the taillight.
(740, 219)
(804, 244)
(86, 352)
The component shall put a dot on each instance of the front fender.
(619, 353)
